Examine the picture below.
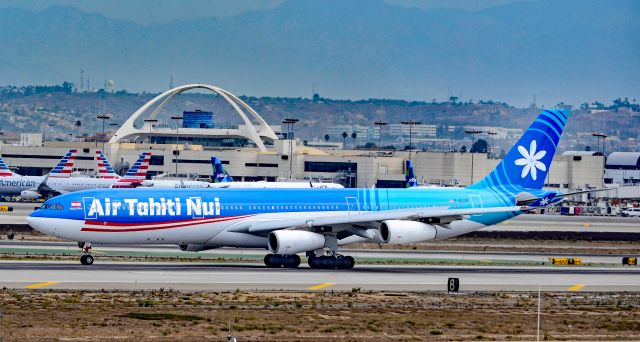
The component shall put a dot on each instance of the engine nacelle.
(195, 247)
(294, 241)
(30, 195)
(401, 232)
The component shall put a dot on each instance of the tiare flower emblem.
(531, 160)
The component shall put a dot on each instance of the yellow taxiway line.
(320, 286)
(576, 287)
(47, 283)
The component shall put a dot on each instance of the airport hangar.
(273, 156)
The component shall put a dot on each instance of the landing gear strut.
(282, 260)
(86, 258)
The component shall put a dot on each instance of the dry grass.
(311, 316)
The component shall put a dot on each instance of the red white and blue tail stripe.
(138, 172)
(65, 165)
(104, 167)
(4, 169)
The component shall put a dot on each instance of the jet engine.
(195, 247)
(30, 195)
(294, 241)
(401, 232)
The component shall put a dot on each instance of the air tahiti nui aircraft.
(315, 221)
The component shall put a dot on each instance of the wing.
(437, 215)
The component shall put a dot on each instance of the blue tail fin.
(527, 163)
(411, 180)
(219, 173)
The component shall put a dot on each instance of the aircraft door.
(476, 201)
(352, 205)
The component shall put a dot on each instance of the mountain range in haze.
(572, 51)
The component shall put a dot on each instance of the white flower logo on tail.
(531, 160)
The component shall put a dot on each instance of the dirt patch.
(166, 315)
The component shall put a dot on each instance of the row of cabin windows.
(316, 207)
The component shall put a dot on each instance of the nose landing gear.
(86, 258)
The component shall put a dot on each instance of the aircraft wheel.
(291, 261)
(348, 263)
(86, 259)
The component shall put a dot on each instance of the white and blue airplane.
(315, 221)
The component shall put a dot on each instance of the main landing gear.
(282, 260)
(329, 262)
(333, 262)
(86, 258)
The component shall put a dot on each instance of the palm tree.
(354, 136)
(78, 124)
(344, 139)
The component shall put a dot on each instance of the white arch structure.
(248, 131)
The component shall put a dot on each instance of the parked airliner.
(315, 221)
(26, 186)
(222, 179)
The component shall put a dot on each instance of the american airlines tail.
(65, 165)
(138, 172)
(220, 175)
(104, 167)
(4, 169)
(527, 163)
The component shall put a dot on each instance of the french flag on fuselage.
(4, 169)
(137, 172)
(104, 167)
(65, 165)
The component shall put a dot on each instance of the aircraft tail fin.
(527, 163)
(138, 171)
(4, 169)
(411, 180)
(220, 175)
(65, 166)
(104, 167)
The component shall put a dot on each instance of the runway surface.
(212, 277)
(70, 248)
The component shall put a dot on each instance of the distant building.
(419, 133)
(622, 168)
(197, 119)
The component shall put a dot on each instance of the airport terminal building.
(185, 146)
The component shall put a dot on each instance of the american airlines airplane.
(315, 221)
(27, 186)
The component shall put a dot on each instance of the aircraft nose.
(40, 224)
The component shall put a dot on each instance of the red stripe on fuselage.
(182, 223)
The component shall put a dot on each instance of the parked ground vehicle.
(630, 212)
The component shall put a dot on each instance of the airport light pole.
(380, 124)
(177, 151)
(411, 123)
(604, 136)
(290, 122)
(150, 122)
(492, 134)
(473, 133)
(104, 118)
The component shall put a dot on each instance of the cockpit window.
(52, 206)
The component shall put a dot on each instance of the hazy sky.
(160, 11)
